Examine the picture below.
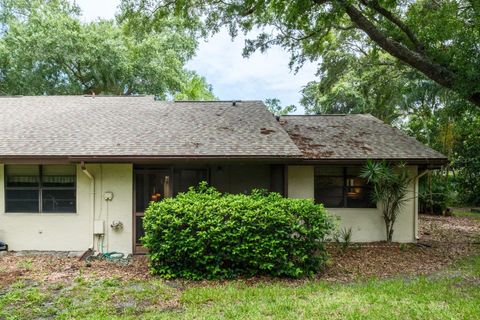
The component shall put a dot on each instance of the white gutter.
(92, 190)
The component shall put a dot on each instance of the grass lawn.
(453, 293)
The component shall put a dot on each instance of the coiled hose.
(116, 257)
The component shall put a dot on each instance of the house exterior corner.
(367, 224)
(73, 231)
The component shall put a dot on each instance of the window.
(341, 187)
(34, 188)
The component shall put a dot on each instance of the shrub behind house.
(204, 234)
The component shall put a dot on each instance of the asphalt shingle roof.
(85, 126)
(138, 126)
(356, 136)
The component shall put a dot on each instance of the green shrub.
(204, 234)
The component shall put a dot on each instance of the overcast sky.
(220, 60)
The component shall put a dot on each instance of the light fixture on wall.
(108, 196)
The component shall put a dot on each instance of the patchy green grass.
(475, 215)
(451, 294)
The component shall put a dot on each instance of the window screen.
(191, 177)
(341, 187)
(34, 189)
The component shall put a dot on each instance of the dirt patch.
(54, 269)
(443, 240)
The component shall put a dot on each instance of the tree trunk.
(390, 235)
(430, 191)
(388, 226)
(389, 229)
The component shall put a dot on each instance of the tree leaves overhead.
(196, 88)
(359, 82)
(274, 105)
(45, 49)
(438, 38)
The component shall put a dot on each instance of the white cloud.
(220, 61)
(260, 76)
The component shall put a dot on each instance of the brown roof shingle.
(354, 136)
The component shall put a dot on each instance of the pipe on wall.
(92, 190)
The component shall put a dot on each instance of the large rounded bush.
(204, 234)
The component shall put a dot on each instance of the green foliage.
(366, 80)
(46, 49)
(274, 105)
(206, 234)
(196, 88)
(435, 193)
(466, 159)
(343, 237)
(390, 185)
(359, 82)
(439, 39)
(452, 129)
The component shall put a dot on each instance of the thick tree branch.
(432, 70)
(414, 58)
(373, 4)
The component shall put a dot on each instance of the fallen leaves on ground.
(443, 240)
(54, 268)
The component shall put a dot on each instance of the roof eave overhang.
(25, 159)
(290, 159)
(429, 162)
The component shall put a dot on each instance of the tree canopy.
(438, 39)
(274, 105)
(46, 49)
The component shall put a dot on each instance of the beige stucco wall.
(367, 224)
(73, 231)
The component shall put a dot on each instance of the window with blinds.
(40, 188)
(341, 187)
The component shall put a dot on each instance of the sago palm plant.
(390, 187)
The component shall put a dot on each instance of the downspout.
(416, 203)
(92, 203)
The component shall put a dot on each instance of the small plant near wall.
(390, 185)
(343, 238)
(204, 234)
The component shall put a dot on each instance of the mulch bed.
(443, 240)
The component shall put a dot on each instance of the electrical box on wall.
(99, 227)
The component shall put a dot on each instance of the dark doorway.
(150, 185)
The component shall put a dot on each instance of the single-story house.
(78, 171)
